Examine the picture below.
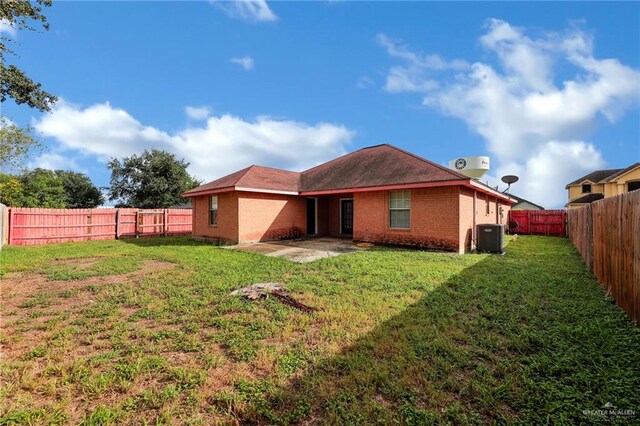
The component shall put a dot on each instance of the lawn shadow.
(525, 337)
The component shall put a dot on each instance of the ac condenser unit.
(490, 238)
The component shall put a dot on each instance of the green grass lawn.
(144, 331)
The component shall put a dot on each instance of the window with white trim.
(400, 209)
(213, 210)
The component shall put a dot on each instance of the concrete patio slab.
(302, 250)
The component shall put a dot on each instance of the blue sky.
(548, 91)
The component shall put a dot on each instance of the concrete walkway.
(303, 250)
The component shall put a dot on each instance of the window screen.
(213, 210)
(400, 209)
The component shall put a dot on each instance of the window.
(213, 210)
(399, 209)
(488, 205)
(632, 186)
(586, 188)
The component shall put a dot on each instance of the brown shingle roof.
(587, 199)
(594, 177)
(620, 173)
(378, 165)
(522, 200)
(255, 177)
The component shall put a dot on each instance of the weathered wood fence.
(607, 235)
(538, 222)
(42, 226)
(4, 225)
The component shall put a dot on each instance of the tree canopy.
(80, 192)
(14, 83)
(49, 189)
(155, 179)
(15, 143)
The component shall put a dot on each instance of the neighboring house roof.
(619, 173)
(379, 165)
(587, 199)
(595, 176)
(522, 200)
(368, 168)
(253, 177)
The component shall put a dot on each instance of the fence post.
(165, 225)
(138, 217)
(117, 226)
(11, 223)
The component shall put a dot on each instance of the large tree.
(49, 189)
(42, 188)
(14, 83)
(15, 144)
(155, 179)
(80, 192)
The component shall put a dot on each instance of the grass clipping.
(277, 290)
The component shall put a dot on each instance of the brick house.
(379, 194)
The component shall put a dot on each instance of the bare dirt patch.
(29, 299)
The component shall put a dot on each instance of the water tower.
(474, 167)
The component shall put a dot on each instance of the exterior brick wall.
(265, 217)
(488, 210)
(329, 214)
(441, 218)
(434, 219)
(227, 228)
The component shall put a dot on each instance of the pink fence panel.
(29, 226)
(41, 226)
(151, 222)
(179, 221)
(127, 222)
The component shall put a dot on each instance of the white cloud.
(55, 161)
(221, 145)
(531, 124)
(245, 62)
(247, 10)
(364, 82)
(197, 113)
(413, 76)
(7, 28)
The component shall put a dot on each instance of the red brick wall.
(434, 218)
(227, 227)
(482, 216)
(265, 217)
(329, 214)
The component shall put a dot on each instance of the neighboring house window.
(586, 188)
(213, 210)
(632, 186)
(488, 204)
(399, 209)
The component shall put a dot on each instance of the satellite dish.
(509, 179)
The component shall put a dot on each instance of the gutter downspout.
(473, 230)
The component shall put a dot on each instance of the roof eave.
(239, 189)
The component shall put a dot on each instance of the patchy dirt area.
(31, 304)
(18, 288)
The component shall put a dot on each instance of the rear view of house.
(379, 194)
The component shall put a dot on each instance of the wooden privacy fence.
(4, 225)
(607, 235)
(42, 226)
(538, 222)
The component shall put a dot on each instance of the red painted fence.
(538, 222)
(42, 226)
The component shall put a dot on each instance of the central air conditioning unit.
(490, 238)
